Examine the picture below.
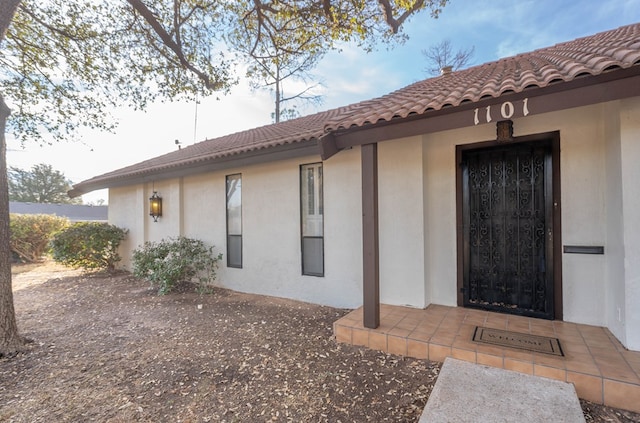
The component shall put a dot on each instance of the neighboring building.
(73, 212)
(511, 186)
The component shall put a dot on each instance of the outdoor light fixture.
(155, 206)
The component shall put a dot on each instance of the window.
(234, 220)
(312, 221)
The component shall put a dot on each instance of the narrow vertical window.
(312, 220)
(234, 220)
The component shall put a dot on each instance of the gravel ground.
(108, 349)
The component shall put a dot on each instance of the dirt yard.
(108, 349)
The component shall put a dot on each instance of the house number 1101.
(507, 110)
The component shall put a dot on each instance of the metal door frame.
(554, 238)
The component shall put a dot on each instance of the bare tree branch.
(441, 55)
(396, 23)
(150, 18)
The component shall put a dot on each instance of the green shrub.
(88, 245)
(168, 262)
(30, 234)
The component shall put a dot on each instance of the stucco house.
(512, 186)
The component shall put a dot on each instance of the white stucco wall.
(630, 157)
(401, 237)
(440, 216)
(127, 210)
(614, 249)
(195, 207)
(583, 206)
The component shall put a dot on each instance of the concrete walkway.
(468, 392)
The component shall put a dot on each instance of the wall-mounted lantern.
(155, 206)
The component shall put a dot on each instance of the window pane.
(234, 251)
(234, 220)
(313, 256)
(310, 193)
(311, 201)
(311, 208)
(234, 204)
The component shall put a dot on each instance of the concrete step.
(468, 392)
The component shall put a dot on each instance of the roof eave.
(169, 171)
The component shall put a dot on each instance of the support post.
(370, 249)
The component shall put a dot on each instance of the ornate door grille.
(507, 217)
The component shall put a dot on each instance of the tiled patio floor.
(601, 369)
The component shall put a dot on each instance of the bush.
(88, 245)
(30, 234)
(169, 262)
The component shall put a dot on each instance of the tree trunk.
(10, 341)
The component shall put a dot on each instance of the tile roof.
(593, 55)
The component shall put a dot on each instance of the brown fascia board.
(280, 152)
(581, 91)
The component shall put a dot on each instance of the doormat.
(523, 341)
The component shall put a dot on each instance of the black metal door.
(507, 218)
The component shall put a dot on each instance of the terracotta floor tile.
(360, 337)
(420, 335)
(588, 367)
(518, 327)
(496, 320)
(417, 349)
(343, 334)
(539, 331)
(409, 322)
(549, 360)
(377, 341)
(549, 372)
(443, 338)
(398, 331)
(632, 357)
(384, 327)
(518, 366)
(397, 345)
(439, 352)
(474, 320)
(449, 327)
(565, 327)
(545, 325)
(606, 354)
(570, 348)
(619, 373)
(463, 354)
(600, 342)
(490, 360)
(587, 387)
(464, 343)
(489, 349)
(622, 395)
(518, 354)
(466, 331)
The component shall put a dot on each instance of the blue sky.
(495, 28)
